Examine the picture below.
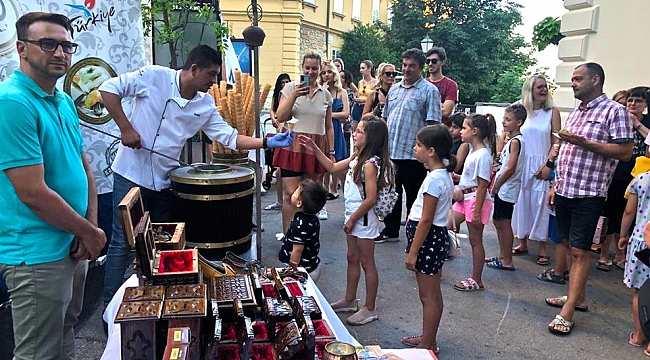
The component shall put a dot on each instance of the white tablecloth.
(112, 350)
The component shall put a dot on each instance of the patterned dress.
(636, 273)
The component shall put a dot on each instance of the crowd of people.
(537, 181)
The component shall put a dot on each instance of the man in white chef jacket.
(170, 106)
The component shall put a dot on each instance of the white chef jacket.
(165, 121)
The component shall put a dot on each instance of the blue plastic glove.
(281, 140)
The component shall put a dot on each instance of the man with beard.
(48, 226)
(170, 106)
(598, 133)
(411, 104)
(436, 59)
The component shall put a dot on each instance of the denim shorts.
(577, 219)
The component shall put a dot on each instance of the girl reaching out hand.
(426, 228)
(368, 169)
(474, 203)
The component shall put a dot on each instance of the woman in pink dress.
(530, 218)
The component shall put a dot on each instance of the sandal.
(492, 259)
(517, 251)
(499, 266)
(331, 196)
(412, 341)
(635, 344)
(603, 265)
(543, 260)
(468, 285)
(620, 264)
(549, 275)
(559, 320)
(559, 302)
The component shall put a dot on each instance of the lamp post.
(426, 44)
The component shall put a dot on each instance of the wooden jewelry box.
(167, 236)
(171, 267)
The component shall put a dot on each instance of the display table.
(112, 350)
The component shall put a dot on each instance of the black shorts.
(615, 205)
(577, 219)
(285, 173)
(502, 209)
(434, 249)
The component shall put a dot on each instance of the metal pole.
(258, 168)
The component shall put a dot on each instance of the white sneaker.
(322, 214)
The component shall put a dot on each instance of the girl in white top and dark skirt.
(426, 228)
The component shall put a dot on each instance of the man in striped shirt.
(411, 104)
(598, 133)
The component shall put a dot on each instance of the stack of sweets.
(237, 106)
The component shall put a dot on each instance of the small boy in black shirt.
(301, 242)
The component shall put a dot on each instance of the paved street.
(506, 321)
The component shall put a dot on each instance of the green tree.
(167, 21)
(477, 34)
(365, 42)
(547, 32)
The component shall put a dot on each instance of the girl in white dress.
(369, 169)
(530, 218)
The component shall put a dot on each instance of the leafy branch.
(166, 21)
(547, 32)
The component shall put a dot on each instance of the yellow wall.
(611, 33)
(282, 21)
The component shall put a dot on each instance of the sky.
(534, 11)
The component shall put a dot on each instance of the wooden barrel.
(216, 203)
(230, 159)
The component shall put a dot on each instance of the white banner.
(111, 41)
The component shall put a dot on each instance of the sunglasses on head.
(390, 73)
(432, 61)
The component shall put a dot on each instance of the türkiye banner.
(111, 41)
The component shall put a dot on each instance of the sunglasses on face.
(390, 73)
(432, 61)
(50, 45)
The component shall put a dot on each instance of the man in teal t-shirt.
(48, 226)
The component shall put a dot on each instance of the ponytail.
(487, 128)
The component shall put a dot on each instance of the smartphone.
(304, 80)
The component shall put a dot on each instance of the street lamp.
(426, 44)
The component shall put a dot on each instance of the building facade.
(609, 32)
(294, 26)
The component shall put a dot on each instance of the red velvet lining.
(320, 328)
(229, 352)
(269, 291)
(259, 330)
(320, 348)
(262, 352)
(294, 288)
(228, 332)
(175, 261)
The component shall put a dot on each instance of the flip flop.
(631, 342)
(491, 259)
(517, 251)
(543, 260)
(499, 266)
(559, 320)
(562, 300)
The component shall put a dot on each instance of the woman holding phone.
(312, 106)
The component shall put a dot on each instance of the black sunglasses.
(390, 73)
(50, 45)
(432, 61)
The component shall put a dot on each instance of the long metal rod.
(258, 167)
(143, 148)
